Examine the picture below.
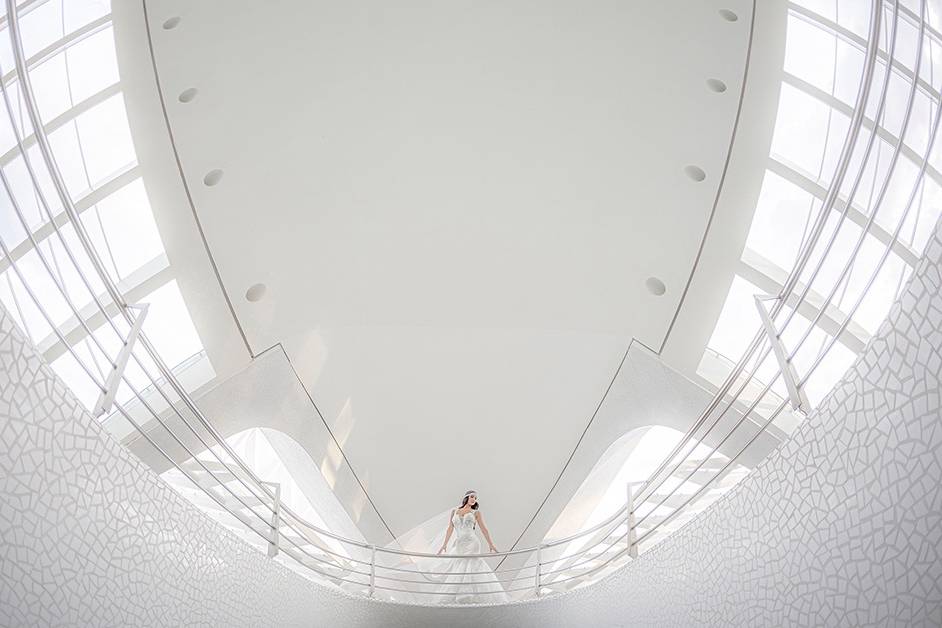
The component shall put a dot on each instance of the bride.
(468, 578)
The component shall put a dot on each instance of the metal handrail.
(657, 479)
(259, 504)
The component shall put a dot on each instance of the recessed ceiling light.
(695, 173)
(716, 85)
(728, 15)
(655, 286)
(212, 177)
(255, 293)
(188, 94)
(171, 23)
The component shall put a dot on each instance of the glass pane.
(106, 139)
(825, 8)
(24, 193)
(783, 215)
(898, 194)
(129, 226)
(854, 16)
(810, 53)
(78, 13)
(11, 229)
(68, 157)
(738, 322)
(83, 387)
(7, 136)
(92, 64)
(881, 296)
(850, 61)
(831, 369)
(920, 123)
(801, 130)
(169, 326)
(926, 214)
(40, 27)
(51, 87)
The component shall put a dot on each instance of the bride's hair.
(464, 502)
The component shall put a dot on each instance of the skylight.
(824, 58)
(74, 74)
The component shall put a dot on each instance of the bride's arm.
(451, 528)
(487, 535)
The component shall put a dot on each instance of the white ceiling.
(454, 207)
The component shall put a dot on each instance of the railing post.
(796, 394)
(106, 399)
(372, 570)
(274, 542)
(539, 569)
(632, 533)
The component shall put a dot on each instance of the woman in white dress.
(469, 579)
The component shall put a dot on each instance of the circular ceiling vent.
(655, 286)
(716, 85)
(212, 177)
(188, 95)
(695, 173)
(255, 293)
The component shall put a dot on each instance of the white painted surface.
(454, 208)
(839, 527)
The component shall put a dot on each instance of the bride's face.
(472, 499)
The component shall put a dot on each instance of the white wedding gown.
(468, 580)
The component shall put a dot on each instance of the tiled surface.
(90, 537)
(840, 527)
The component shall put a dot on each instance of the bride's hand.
(442, 549)
(493, 549)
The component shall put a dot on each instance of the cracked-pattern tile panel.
(841, 526)
(90, 537)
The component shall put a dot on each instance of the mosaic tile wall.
(90, 537)
(842, 526)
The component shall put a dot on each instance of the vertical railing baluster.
(539, 570)
(372, 570)
(274, 542)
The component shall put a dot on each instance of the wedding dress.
(468, 579)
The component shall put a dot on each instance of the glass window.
(51, 87)
(78, 13)
(833, 365)
(810, 53)
(825, 8)
(738, 322)
(907, 40)
(853, 15)
(18, 302)
(7, 136)
(40, 26)
(128, 224)
(802, 130)
(68, 155)
(925, 215)
(783, 216)
(169, 326)
(92, 64)
(105, 137)
(919, 130)
(76, 378)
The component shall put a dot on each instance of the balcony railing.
(554, 565)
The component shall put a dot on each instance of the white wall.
(842, 526)
(89, 536)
